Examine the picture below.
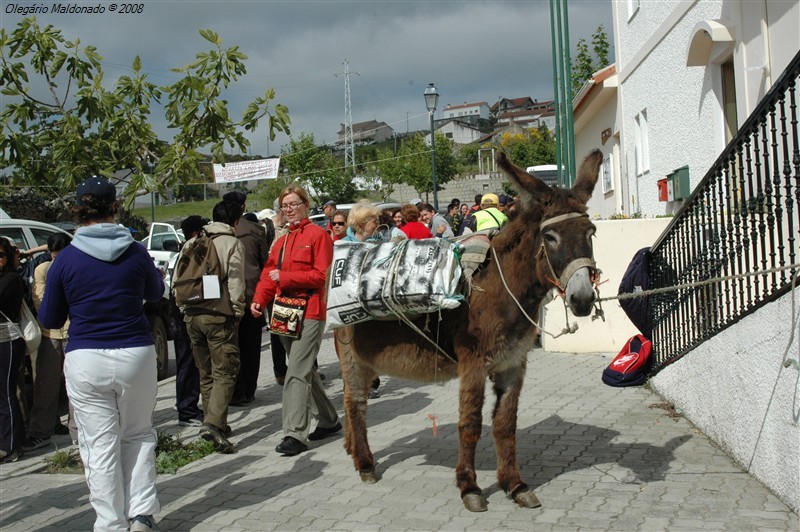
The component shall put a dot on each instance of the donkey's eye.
(550, 238)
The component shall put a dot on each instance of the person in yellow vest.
(489, 216)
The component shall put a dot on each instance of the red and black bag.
(630, 366)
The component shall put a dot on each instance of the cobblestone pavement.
(598, 458)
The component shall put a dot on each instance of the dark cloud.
(472, 50)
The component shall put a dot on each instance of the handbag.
(288, 312)
(31, 331)
(28, 328)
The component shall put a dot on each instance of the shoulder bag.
(288, 312)
(27, 329)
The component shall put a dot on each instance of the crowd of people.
(90, 292)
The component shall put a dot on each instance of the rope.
(713, 280)
(565, 330)
(394, 305)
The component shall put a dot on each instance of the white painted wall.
(602, 204)
(735, 388)
(615, 244)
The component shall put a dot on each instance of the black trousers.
(12, 426)
(249, 356)
(187, 378)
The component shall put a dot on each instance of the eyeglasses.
(291, 206)
(337, 223)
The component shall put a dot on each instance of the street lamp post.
(431, 100)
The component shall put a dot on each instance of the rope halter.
(583, 262)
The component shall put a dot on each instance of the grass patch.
(67, 462)
(171, 455)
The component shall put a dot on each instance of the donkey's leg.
(471, 390)
(507, 388)
(356, 380)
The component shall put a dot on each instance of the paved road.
(598, 458)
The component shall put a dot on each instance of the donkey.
(546, 242)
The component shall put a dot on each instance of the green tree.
(317, 169)
(61, 123)
(585, 62)
(412, 164)
(535, 146)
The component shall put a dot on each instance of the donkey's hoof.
(368, 477)
(474, 502)
(527, 499)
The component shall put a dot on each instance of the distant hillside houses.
(367, 132)
(460, 123)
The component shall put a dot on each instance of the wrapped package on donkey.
(376, 280)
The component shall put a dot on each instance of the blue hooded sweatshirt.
(100, 281)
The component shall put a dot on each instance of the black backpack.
(637, 279)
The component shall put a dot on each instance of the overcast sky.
(472, 50)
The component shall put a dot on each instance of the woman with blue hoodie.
(100, 282)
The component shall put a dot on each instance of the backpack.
(630, 366)
(637, 279)
(198, 258)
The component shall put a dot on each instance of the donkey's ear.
(530, 187)
(587, 176)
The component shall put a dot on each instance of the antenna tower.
(349, 150)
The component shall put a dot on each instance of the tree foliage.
(412, 164)
(535, 146)
(61, 123)
(586, 62)
(317, 169)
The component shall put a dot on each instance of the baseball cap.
(99, 187)
(329, 203)
(490, 199)
(503, 199)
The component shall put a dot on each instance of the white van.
(546, 172)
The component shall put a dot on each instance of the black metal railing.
(732, 245)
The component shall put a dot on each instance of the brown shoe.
(215, 436)
(280, 379)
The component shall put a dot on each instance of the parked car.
(29, 234)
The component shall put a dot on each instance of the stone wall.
(463, 189)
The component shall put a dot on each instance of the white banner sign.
(247, 170)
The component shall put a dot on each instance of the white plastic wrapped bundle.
(372, 280)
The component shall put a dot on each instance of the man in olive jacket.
(213, 326)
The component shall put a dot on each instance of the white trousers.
(113, 393)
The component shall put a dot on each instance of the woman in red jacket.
(413, 228)
(297, 266)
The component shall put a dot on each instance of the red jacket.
(309, 253)
(416, 230)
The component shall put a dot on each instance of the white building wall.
(615, 243)
(602, 204)
(681, 106)
(736, 389)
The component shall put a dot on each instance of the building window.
(448, 135)
(633, 7)
(642, 143)
(607, 174)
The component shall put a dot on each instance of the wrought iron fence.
(732, 246)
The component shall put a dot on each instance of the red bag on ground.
(630, 366)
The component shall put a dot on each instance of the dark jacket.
(256, 251)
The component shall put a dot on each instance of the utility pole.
(349, 150)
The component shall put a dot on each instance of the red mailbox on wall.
(663, 191)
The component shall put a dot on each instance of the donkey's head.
(562, 244)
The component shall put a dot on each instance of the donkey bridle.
(572, 267)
